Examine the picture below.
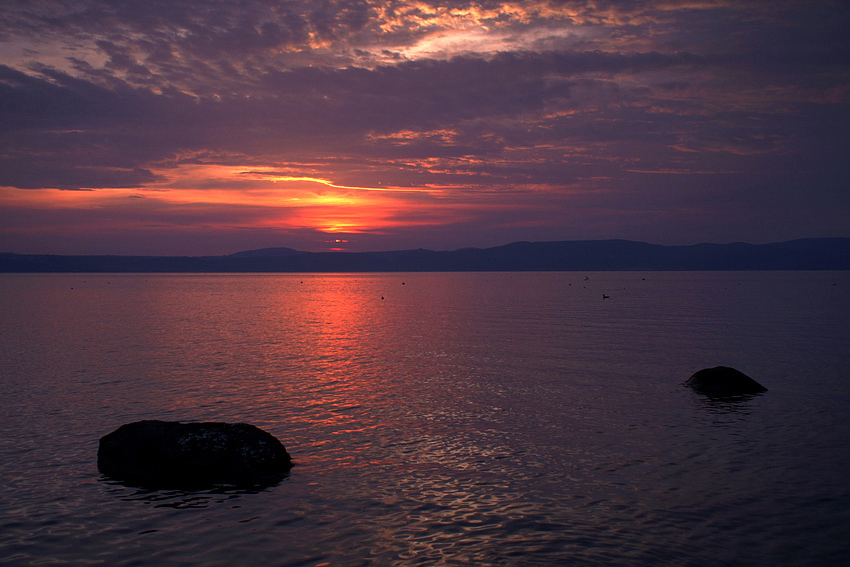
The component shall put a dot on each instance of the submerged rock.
(723, 382)
(165, 454)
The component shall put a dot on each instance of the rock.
(723, 382)
(166, 454)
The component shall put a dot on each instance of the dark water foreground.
(435, 419)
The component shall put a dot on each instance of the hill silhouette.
(582, 255)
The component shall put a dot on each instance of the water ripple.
(461, 423)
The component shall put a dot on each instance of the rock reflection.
(185, 498)
(724, 405)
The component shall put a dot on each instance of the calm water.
(435, 419)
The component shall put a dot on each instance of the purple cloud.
(673, 120)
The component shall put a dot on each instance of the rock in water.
(723, 382)
(166, 454)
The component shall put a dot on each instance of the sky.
(210, 127)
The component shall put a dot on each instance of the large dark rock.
(723, 382)
(164, 454)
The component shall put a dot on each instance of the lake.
(435, 418)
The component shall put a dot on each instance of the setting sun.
(191, 128)
(461, 255)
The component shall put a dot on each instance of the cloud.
(70, 124)
(543, 108)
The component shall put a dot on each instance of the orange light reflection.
(341, 318)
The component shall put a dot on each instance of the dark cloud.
(648, 110)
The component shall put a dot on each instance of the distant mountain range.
(582, 255)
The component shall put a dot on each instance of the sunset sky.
(208, 127)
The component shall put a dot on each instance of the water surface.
(435, 419)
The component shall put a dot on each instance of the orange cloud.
(279, 201)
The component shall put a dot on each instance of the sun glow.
(228, 196)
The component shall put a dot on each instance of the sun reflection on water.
(433, 419)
